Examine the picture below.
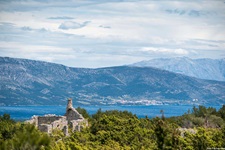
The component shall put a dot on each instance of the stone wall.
(45, 128)
(78, 125)
(49, 119)
(59, 124)
(49, 123)
(72, 114)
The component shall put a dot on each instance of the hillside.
(211, 69)
(28, 82)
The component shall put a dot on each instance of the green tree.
(201, 140)
(28, 137)
(161, 133)
(7, 127)
(221, 112)
(83, 112)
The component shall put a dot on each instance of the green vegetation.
(19, 136)
(198, 129)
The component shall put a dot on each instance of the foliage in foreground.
(200, 129)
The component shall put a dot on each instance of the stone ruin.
(72, 119)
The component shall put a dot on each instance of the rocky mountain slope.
(28, 82)
(211, 69)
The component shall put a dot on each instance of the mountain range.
(29, 82)
(210, 69)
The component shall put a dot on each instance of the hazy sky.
(99, 33)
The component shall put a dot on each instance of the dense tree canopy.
(198, 129)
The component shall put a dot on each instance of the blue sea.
(25, 112)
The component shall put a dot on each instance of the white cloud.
(61, 18)
(165, 50)
(72, 25)
(123, 31)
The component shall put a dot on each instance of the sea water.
(26, 112)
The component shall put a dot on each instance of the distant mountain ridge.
(210, 69)
(29, 82)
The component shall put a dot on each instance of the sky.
(102, 33)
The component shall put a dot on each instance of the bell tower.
(69, 104)
(72, 113)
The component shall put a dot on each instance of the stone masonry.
(72, 119)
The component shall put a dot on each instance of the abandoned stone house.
(72, 119)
